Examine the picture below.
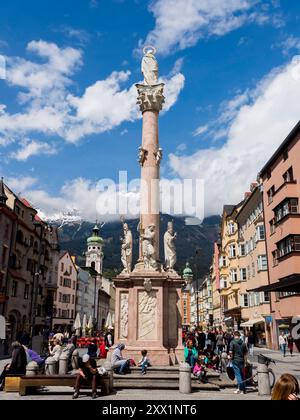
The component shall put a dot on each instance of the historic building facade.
(253, 268)
(65, 295)
(280, 179)
(29, 248)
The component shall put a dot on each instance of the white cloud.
(21, 184)
(180, 24)
(200, 130)
(48, 107)
(31, 148)
(257, 128)
(291, 43)
(80, 35)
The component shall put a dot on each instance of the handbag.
(230, 371)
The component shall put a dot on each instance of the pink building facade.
(65, 296)
(281, 194)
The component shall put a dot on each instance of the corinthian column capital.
(151, 98)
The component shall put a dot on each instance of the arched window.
(93, 265)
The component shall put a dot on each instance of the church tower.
(94, 254)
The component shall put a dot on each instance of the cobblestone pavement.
(283, 365)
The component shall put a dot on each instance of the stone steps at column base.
(160, 384)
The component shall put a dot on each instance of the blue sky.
(67, 106)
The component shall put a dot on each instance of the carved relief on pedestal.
(124, 316)
(147, 315)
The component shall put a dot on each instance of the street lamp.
(198, 252)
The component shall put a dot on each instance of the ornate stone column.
(150, 100)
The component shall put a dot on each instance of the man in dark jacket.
(238, 352)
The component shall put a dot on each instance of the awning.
(287, 284)
(253, 322)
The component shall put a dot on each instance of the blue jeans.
(191, 360)
(238, 368)
(123, 367)
(144, 366)
(283, 349)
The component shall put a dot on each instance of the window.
(243, 274)
(60, 297)
(61, 280)
(73, 299)
(271, 194)
(26, 292)
(288, 176)
(65, 314)
(242, 250)
(232, 251)
(244, 301)
(285, 155)
(231, 228)
(14, 289)
(262, 263)
(62, 267)
(264, 297)
(71, 268)
(67, 282)
(39, 310)
(234, 275)
(289, 206)
(260, 233)
(74, 285)
(66, 298)
(223, 283)
(288, 245)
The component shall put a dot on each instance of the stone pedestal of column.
(148, 316)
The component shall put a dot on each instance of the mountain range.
(190, 238)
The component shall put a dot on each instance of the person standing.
(201, 340)
(283, 343)
(220, 342)
(238, 354)
(250, 341)
(290, 343)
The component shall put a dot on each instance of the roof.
(281, 149)
(26, 203)
(228, 209)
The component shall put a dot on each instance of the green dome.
(95, 238)
(187, 271)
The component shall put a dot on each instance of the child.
(200, 370)
(144, 363)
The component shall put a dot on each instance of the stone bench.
(57, 380)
